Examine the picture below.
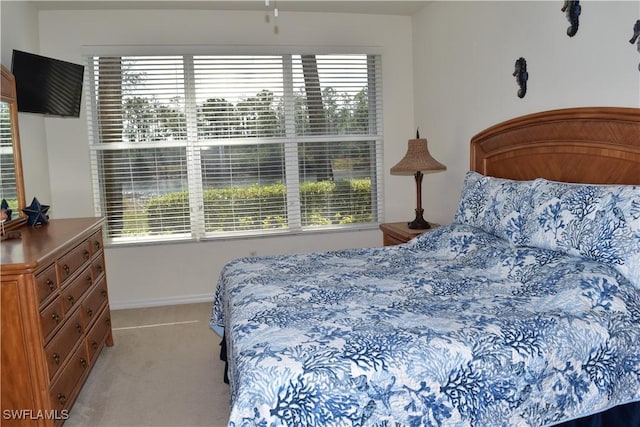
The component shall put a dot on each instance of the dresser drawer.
(73, 261)
(46, 283)
(92, 304)
(62, 344)
(95, 243)
(391, 240)
(74, 291)
(98, 268)
(51, 316)
(98, 334)
(62, 391)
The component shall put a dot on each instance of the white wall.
(464, 56)
(20, 31)
(157, 274)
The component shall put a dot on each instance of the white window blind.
(202, 146)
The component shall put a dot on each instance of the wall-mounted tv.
(46, 85)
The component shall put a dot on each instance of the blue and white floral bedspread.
(455, 328)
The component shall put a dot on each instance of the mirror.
(11, 182)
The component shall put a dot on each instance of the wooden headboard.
(586, 145)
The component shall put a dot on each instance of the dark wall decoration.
(522, 76)
(572, 9)
(636, 37)
(36, 213)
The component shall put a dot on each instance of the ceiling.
(379, 7)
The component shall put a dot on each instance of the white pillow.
(496, 205)
(599, 222)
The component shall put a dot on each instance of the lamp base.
(419, 223)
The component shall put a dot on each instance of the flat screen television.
(46, 85)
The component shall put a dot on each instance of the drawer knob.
(103, 292)
(71, 299)
(99, 268)
(97, 244)
(51, 284)
(78, 328)
(94, 345)
(83, 362)
(89, 312)
(107, 322)
(86, 254)
(66, 268)
(56, 358)
(62, 398)
(89, 281)
(56, 317)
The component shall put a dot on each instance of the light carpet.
(163, 370)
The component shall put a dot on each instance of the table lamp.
(415, 162)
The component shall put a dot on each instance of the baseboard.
(158, 302)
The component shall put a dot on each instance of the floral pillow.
(600, 222)
(496, 205)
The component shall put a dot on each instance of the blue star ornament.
(36, 213)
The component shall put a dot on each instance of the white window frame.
(291, 152)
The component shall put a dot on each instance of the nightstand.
(394, 233)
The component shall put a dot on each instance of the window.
(192, 147)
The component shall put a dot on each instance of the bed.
(524, 311)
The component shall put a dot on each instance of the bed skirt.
(624, 416)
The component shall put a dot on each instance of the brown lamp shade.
(417, 159)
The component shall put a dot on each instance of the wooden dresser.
(55, 318)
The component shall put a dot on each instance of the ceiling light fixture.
(267, 17)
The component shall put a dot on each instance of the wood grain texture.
(55, 318)
(583, 145)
